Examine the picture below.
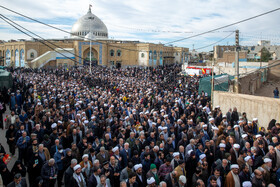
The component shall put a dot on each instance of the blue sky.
(151, 20)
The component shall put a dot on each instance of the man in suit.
(94, 178)
(170, 178)
(18, 180)
(103, 155)
(125, 155)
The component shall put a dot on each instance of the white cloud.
(125, 19)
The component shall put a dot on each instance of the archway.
(21, 55)
(94, 56)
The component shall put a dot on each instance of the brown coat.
(180, 172)
(240, 161)
(83, 165)
(101, 158)
(229, 182)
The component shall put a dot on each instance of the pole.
(237, 60)
(212, 86)
(90, 47)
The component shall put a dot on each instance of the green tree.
(265, 55)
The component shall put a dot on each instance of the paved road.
(4, 142)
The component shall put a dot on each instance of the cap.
(115, 149)
(183, 179)
(234, 166)
(247, 184)
(77, 167)
(153, 166)
(202, 156)
(236, 146)
(54, 125)
(236, 126)
(222, 145)
(266, 160)
(176, 154)
(151, 180)
(247, 158)
(258, 135)
(85, 155)
(244, 135)
(137, 166)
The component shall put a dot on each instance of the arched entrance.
(94, 56)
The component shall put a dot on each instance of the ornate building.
(76, 49)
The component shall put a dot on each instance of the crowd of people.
(129, 127)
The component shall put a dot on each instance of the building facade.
(76, 50)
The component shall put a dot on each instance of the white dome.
(87, 23)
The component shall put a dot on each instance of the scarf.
(81, 182)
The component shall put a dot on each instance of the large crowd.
(129, 127)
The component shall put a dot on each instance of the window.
(32, 55)
(112, 52)
(119, 53)
(142, 55)
(12, 52)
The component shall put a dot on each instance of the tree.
(265, 55)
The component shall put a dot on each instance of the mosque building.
(88, 31)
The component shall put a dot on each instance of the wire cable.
(219, 28)
(38, 40)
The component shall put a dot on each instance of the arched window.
(112, 52)
(12, 54)
(142, 55)
(31, 55)
(119, 52)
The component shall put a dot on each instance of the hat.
(86, 121)
(189, 152)
(85, 155)
(247, 184)
(204, 126)
(115, 149)
(255, 119)
(72, 121)
(258, 135)
(222, 145)
(234, 166)
(202, 156)
(247, 158)
(54, 125)
(176, 154)
(211, 119)
(215, 128)
(153, 166)
(106, 162)
(137, 166)
(236, 126)
(266, 160)
(224, 116)
(183, 179)
(77, 167)
(59, 122)
(236, 146)
(165, 116)
(151, 180)
(244, 135)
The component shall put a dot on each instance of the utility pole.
(212, 85)
(237, 60)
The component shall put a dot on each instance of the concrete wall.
(274, 72)
(263, 108)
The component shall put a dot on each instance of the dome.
(87, 23)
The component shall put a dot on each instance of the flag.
(203, 71)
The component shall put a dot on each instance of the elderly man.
(69, 172)
(18, 181)
(267, 166)
(257, 180)
(234, 152)
(103, 155)
(232, 179)
(49, 173)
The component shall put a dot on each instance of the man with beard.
(257, 180)
(115, 170)
(153, 173)
(106, 171)
(69, 172)
(267, 167)
(78, 179)
(232, 178)
(140, 178)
